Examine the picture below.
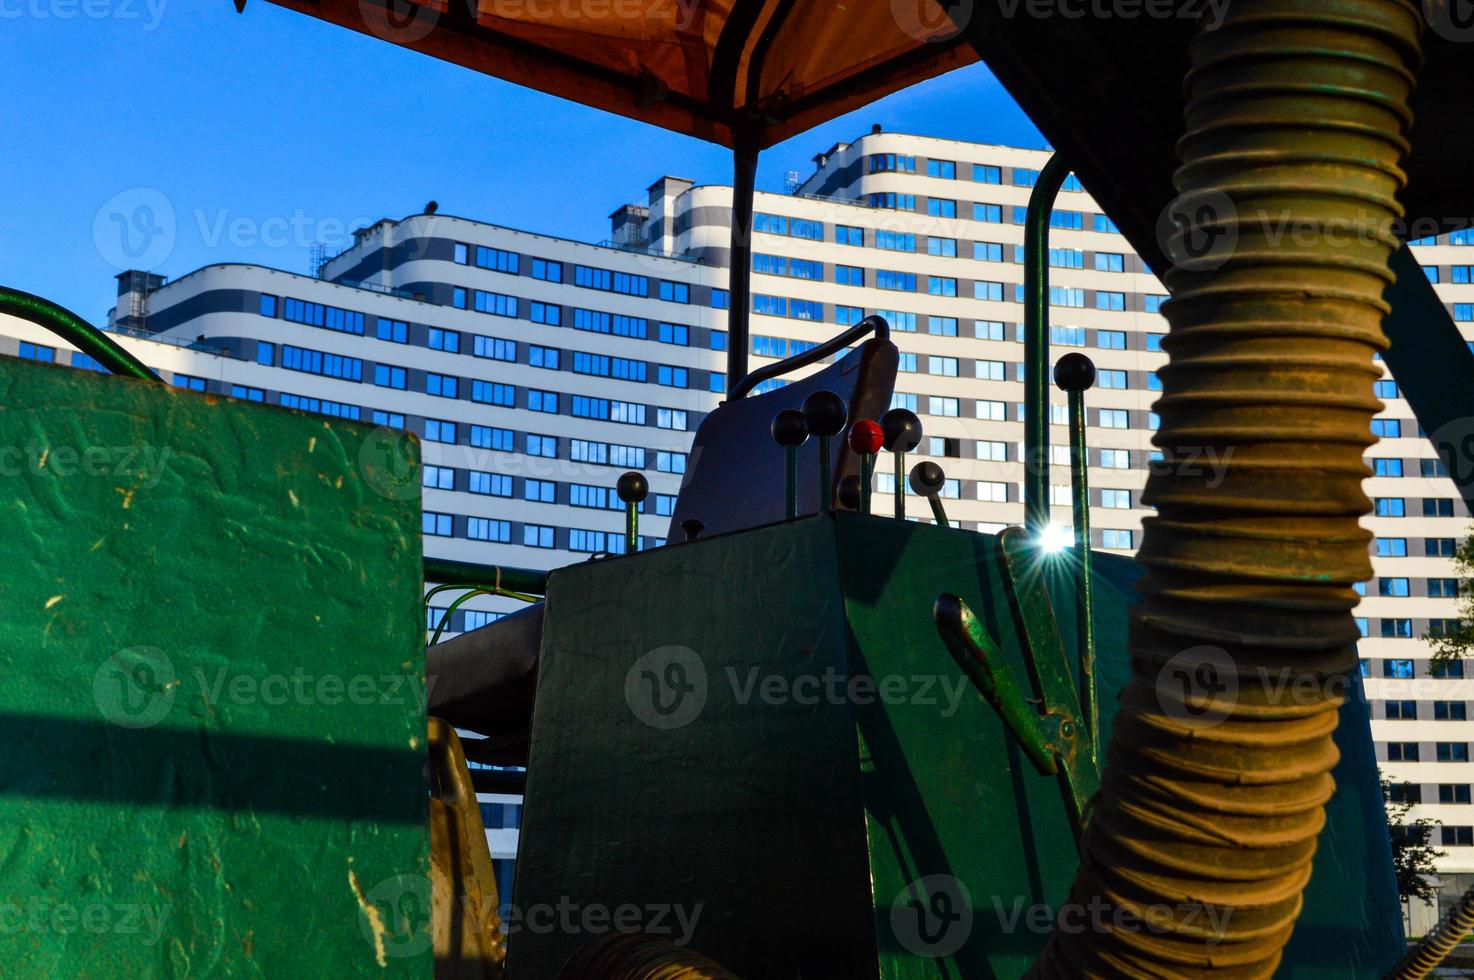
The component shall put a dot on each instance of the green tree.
(1412, 852)
(1455, 640)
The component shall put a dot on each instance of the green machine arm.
(1048, 727)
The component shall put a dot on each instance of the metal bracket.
(1048, 727)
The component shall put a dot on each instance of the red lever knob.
(866, 437)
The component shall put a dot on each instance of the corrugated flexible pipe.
(1218, 769)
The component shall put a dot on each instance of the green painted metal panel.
(897, 815)
(211, 638)
(688, 775)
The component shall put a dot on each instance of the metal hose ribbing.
(1435, 947)
(1218, 769)
(637, 957)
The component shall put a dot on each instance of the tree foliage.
(1412, 851)
(1457, 641)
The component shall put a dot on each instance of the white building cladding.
(537, 369)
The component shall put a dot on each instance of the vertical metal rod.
(938, 511)
(1085, 625)
(826, 484)
(900, 486)
(739, 283)
(867, 473)
(1036, 345)
(631, 528)
(790, 481)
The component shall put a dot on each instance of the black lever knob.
(825, 412)
(902, 430)
(1074, 372)
(849, 492)
(632, 487)
(790, 428)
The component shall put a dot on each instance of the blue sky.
(264, 132)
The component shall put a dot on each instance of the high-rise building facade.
(537, 369)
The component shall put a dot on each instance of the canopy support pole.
(744, 178)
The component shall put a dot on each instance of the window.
(984, 174)
(944, 247)
(674, 333)
(1432, 468)
(388, 376)
(489, 484)
(989, 370)
(890, 163)
(1392, 547)
(848, 316)
(904, 281)
(1387, 428)
(849, 275)
(1118, 539)
(487, 529)
(394, 331)
(439, 525)
(1390, 507)
(671, 418)
(1451, 751)
(1397, 629)
(540, 491)
(392, 419)
(1438, 507)
(1116, 499)
(991, 213)
(442, 385)
(250, 394)
(1110, 378)
(849, 235)
(675, 292)
(1385, 389)
(944, 169)
(1392, 587)
(47, 355)
(670, 462)
(497, 260)
(670, 376)
(494, 393)
(987, 251)
(547, 270)
(1109, 301)
(1402, 751)
(944, 366)
(498, 349)
(992, 411)
(895, 241)
(1440, 547)
(1402, 710)
(1450, 711)
(487, 437)
(549, 313)
(544, 446)
(437, 430)
(542, 401)
(988, 329)
(941, 286)
(537, 536)
(1104, 224)
(988, 290)
(268, 305)
(1114, 418)
(1453, 792)
(939, 207)
(1387, 467)
(1443, 588)
(446, 340)
(906, 361)
(892, 201)
(598, 498)
(318, 315)
(438, 477)
(1110, 262)
(317, 362)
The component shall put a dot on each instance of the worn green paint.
(210, 634)
(797, 833)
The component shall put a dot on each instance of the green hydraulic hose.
(75, 331)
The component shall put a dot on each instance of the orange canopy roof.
(755, 71)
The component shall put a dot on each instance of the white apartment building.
(537, 369)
